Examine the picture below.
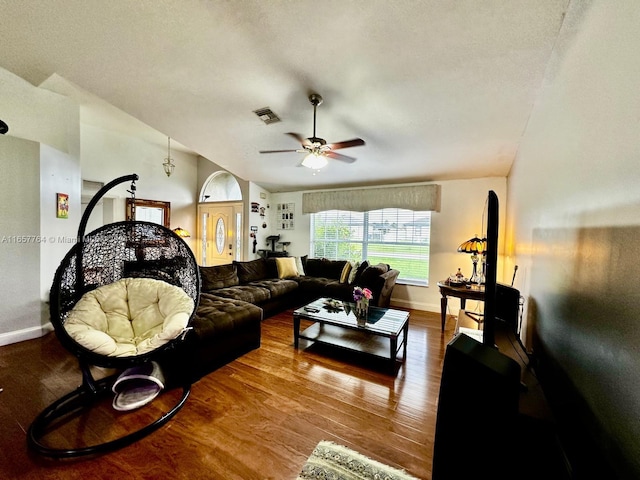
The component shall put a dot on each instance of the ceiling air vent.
(266, 115)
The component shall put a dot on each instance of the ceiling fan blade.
(356, 142)
(303, 141)
(277, 151)
(339, 156)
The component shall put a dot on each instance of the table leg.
(394, 351)
(404, 348)
(443, 310)
(463, 303)
(296, 331)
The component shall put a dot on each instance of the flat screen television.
(491, 269)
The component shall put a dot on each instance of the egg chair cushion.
(131, 316)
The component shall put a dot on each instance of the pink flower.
(360, 293)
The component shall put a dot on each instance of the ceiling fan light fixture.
(315, 161)
(319, 151)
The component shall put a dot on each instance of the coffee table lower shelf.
(355, 340)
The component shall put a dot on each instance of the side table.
(462, 293)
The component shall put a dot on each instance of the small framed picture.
(62, 209)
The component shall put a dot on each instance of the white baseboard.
(427, 307)
(25, 334)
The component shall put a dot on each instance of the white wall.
(59, 152)
(460, 218)
(19, 235)
(578, 165)
(107, 155)
(255, 219)
(299, 237)
(574, 220)
(35, 170)
(59, 173)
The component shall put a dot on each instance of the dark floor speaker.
(477, 412)
(507, 306)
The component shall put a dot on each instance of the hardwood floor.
(258, 417)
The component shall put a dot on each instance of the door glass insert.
(238, 236)
(220, 236)
(204, 238)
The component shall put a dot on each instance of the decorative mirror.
(149, 211)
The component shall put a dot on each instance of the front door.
(219, 229)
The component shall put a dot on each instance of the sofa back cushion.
(323, 267)
(370, 278)
(252, 270)
(219, 276)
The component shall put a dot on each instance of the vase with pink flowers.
(361, 297)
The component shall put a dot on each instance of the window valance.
(413, 197)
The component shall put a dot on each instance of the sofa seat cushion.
(131, 316)
(218, 316)
(245, 293)
(277, 287)
(338, 290)
(317, 285)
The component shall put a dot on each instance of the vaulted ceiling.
(437, 89)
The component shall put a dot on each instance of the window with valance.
(383, 225)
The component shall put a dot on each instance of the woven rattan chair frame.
(106, 255)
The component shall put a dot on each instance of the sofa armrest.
(390, 277)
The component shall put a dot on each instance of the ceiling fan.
(317, 149)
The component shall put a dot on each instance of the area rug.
(330, 461)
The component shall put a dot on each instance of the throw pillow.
(361, 268)
(344, 276)
(352, 273)
(300, 266)
(286, 267)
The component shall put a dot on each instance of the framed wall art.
(62, 205)
(285, 220)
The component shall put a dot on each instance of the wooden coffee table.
(384, 333)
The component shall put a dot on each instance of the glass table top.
(341, 313)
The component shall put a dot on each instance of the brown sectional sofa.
(236, 297)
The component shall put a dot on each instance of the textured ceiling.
(437, 89)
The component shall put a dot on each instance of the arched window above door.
(221, 187)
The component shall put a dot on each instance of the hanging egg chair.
(122, 298)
